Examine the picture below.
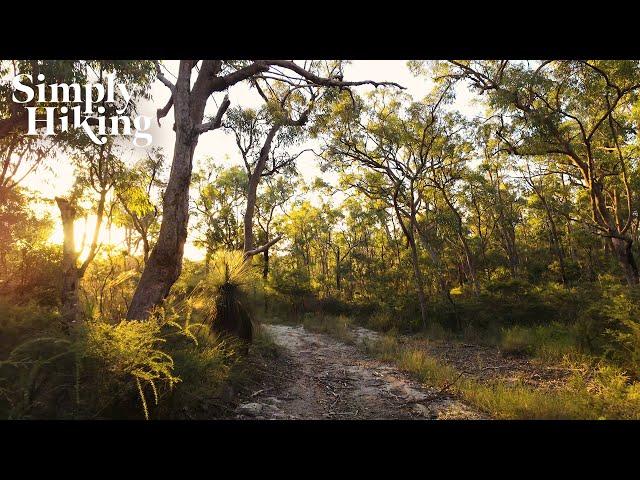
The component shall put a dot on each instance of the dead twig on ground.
(261, 391)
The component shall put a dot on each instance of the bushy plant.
(226, 288)
(384, 320)
(623, 309)
(19, 322)
(127, 369)
(130, 350)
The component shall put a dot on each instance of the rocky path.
(322, 378)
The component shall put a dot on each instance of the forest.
(320, 239)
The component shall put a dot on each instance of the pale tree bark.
(256, 172)
(71, 272)
(70, 278)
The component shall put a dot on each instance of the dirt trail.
(324, 378)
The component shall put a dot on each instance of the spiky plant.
(228, 278)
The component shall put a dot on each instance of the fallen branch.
(266, 246)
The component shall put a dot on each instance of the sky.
(58, 180)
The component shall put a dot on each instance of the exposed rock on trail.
(328, 379)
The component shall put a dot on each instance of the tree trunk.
(165, 261)
(248, 213)
(463, 240)
(164, 265)
(70, 278)
(442, 281)
(254, 180)
(555, 237)
(419, 279)
(624, 254)
(338, 260)
(207, 261)
(265, 268)
(469, 261)
(422, 299)
(146, 247)
(558, 248)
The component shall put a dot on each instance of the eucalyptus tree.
(447, 167)
(189, 100)
(98, 168)
(264, 138)
(397, 144)
(580, 113)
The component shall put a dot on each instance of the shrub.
(19, 322)
(130, 350)
(121, 370)
(623, 309)
(383, 321)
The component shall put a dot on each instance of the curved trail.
(329, 379)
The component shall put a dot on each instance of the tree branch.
(217, 121)
(261, 249)
(164, 79)
(327, 82)
(162, 112)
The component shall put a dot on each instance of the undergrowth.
(607, 394)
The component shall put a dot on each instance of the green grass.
(550, 342)
(608, 395)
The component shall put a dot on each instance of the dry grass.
(607, 394)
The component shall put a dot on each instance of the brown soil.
(319, 377)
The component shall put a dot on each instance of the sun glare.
(111, 238)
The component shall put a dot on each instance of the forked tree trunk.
(252, 190)
(619, 243)
(71, 272)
